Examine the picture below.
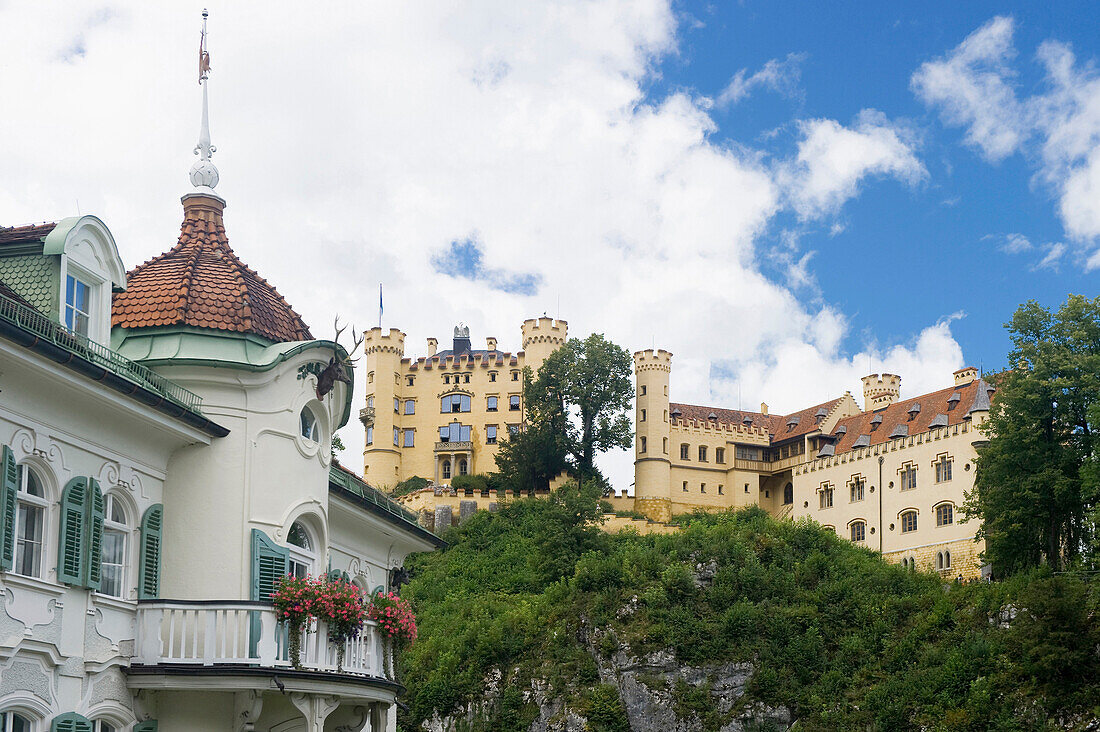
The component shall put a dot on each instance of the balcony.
(366, 416)
(192, 635)
(454, 446)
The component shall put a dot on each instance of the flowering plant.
(294, 599)
(339, 603)
(394, 616)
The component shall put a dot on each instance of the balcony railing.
(366, 416)
(454, 446)
(35, 322)
(242, 633)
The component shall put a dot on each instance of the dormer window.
(953, 400)
(914, 410)
(792, 423)
(875, 422)
(78, 305)
(820, 415)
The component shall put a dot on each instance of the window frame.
(492, 403)
(408, 437)
(939, 509)
(943, 465)
(513, 403)
(907, 477)
(858, 526)
(685, 451)
(825, 496)
(903, 520)
(702, 453)
(314, 428)
(857, 489)
(306, 556)
(24, 501)
(123, 529)
(491, 434)
(410, 406)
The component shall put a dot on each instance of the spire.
(204, 175)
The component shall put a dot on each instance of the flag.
(204, 55)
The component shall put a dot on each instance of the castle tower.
(541, 337)
(382, 353)
(652, 468)
(879, 392)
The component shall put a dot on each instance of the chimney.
(433, 344)
(491, 343)
(965, 375)
(763, 408)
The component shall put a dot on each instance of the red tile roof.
(201, 282)
(21, 234)
(775, 424)
(896, 414)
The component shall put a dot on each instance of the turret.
(652, 468)
(965, 375)
(433, 346)
(879, 392)
(541, 337)
(382, 353)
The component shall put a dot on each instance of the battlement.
(965, 375)
(544, 330)
(375, 341)
(880, 391)
(650, 360)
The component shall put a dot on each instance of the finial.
(204, 175)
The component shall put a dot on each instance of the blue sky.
(906, 255)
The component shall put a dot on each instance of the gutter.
(416, 529)
(84, 367)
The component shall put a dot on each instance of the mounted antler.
(339, 368)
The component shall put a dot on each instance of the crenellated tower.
(880, 391)
(382, 353)
(652, 467)
(541, 337)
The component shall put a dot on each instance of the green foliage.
(837, 636)
(409, 485)
(337, 445)
(1036, 489)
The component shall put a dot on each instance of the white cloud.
(1052, 257)
(1058, 127)
(972, 87)
(357, 142)
(1015, 244)
(833, 159)
(780, 76)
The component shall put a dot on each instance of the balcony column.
(315, 708)
(379, 717)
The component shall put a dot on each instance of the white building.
(166, 457)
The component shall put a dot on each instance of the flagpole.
(379, 306)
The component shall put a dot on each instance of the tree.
(533, 456)
(1035, 490)
(585, 386)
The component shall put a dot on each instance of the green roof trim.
(191, 346)
(373, 499)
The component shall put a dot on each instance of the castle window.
(454, 432)
(446, 470)
(859, 531)
(513, 403)
(702, 453)
(642, 390)
(463, 468)
(515, 376)
(491, 404)
(491, 434)
(396, 436)
(396, 404)
(908, 521)
(720, 455)
(945, 514)
(410, 406)
(684, 451)
(370, 435)
(370, 377)
(466, 379)
(825, 496)
(943, 560)
(641, 444)
(685, 486)
(307, 425)
(407, 438)
(370, 402)
(641, 416)
(455, 403)
(664, 445)
(788, 494)
(702, 487)
(856, 489)
(409, 380)
(446, 378)
(720, 491)
(513, 429)
(943, 469)
(32, 509)
(666, 415)
(908, 478)
(492, 376)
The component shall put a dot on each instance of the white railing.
(204, 633)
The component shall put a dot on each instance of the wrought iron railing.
(41, 326)
(352, 484)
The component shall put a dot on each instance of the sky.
(785, 195)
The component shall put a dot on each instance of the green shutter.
(9, 495)
(70, 560)
(149, 725)
(70, 722)
(149, 572)
(94, 539)
(270, 563)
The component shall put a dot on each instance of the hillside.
(534, 619)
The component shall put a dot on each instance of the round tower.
(541, 337)
(382, 353)
(879, 392)
(652, 469)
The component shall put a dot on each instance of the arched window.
(908, 521)
(14, 722)
(308, 425)
(859, 531)
(945, 514)
(113, 560)
(939, 560)
(30, 524)
(462, 467)
(788, 494)
(446, 470)
(947, 560)
(102, 725)
(303, 550)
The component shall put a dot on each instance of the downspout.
(880, 490)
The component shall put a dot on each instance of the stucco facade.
(443, 414)
(890, 474)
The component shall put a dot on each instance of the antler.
(338, 329)
(357, 340)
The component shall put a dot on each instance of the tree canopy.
(1036, 485)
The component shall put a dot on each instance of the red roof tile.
(201, 282)
(775, 424)
(28, 233)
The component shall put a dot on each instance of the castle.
(443, 414)
(890, 475)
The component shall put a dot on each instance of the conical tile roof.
(201, 282)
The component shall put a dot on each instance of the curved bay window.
(33, 509)
(113, 559)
